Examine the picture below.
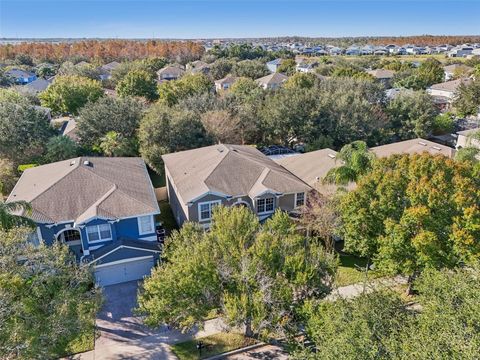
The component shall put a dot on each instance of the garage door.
(134, 269)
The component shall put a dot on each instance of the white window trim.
(98, 230)
(265, 212)
(152, 222)
(209, 203)
(304, 199)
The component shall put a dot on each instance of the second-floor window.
(100, 232)
(205, 209)
(299, 199)
(265, 205)
(145, 225)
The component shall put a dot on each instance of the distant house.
(383, 76)
(170, 73)
(198, 66)
(106, 70)
(35, 87)
(413, 146)
(444, 93)
(66, 126)
(306, 67)
(272, 81)
(20, 76)
(460, 51)
(274, 65)
(69, 128)
(465, 139)
(225, 83)
(102, 208)
(229, 175)
(452, 70)
(312, 167)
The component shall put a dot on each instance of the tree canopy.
(68, 94)
(164, 130)
(444, 324)
(138, 83)
(24, 132)
(414, 212)
(258, 276)
(121, 115)
(47, 300)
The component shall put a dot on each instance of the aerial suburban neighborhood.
(209, 193)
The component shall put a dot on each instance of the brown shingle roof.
(382, 73)
(232, 170)
(450, 85)
(72, 190)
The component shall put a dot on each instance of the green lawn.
(166, 216)
(348, 271)
(214, 345)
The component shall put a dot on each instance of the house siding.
(127, 228)
(287, 202)
(178, 210)
(193, 209)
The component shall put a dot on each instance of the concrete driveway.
(123, 335)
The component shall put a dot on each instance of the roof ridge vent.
(423, 143)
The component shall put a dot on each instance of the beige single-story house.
(230, 175)
(450, 70)
(382, 75)
(225, 83)
(447, 90)
(170, 73)
(272, 81)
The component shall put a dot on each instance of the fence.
(161, 193)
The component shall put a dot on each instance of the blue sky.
(236, 18)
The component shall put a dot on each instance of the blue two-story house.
(102, 208)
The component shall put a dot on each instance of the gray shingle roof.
(414, 146)
(312, 167)
(275, 78)
(232, 170)
(72, 190)
(38, 85)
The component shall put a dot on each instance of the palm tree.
(8, 217)
(357, 160)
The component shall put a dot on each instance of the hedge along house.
(93, 204)
(229, 175)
